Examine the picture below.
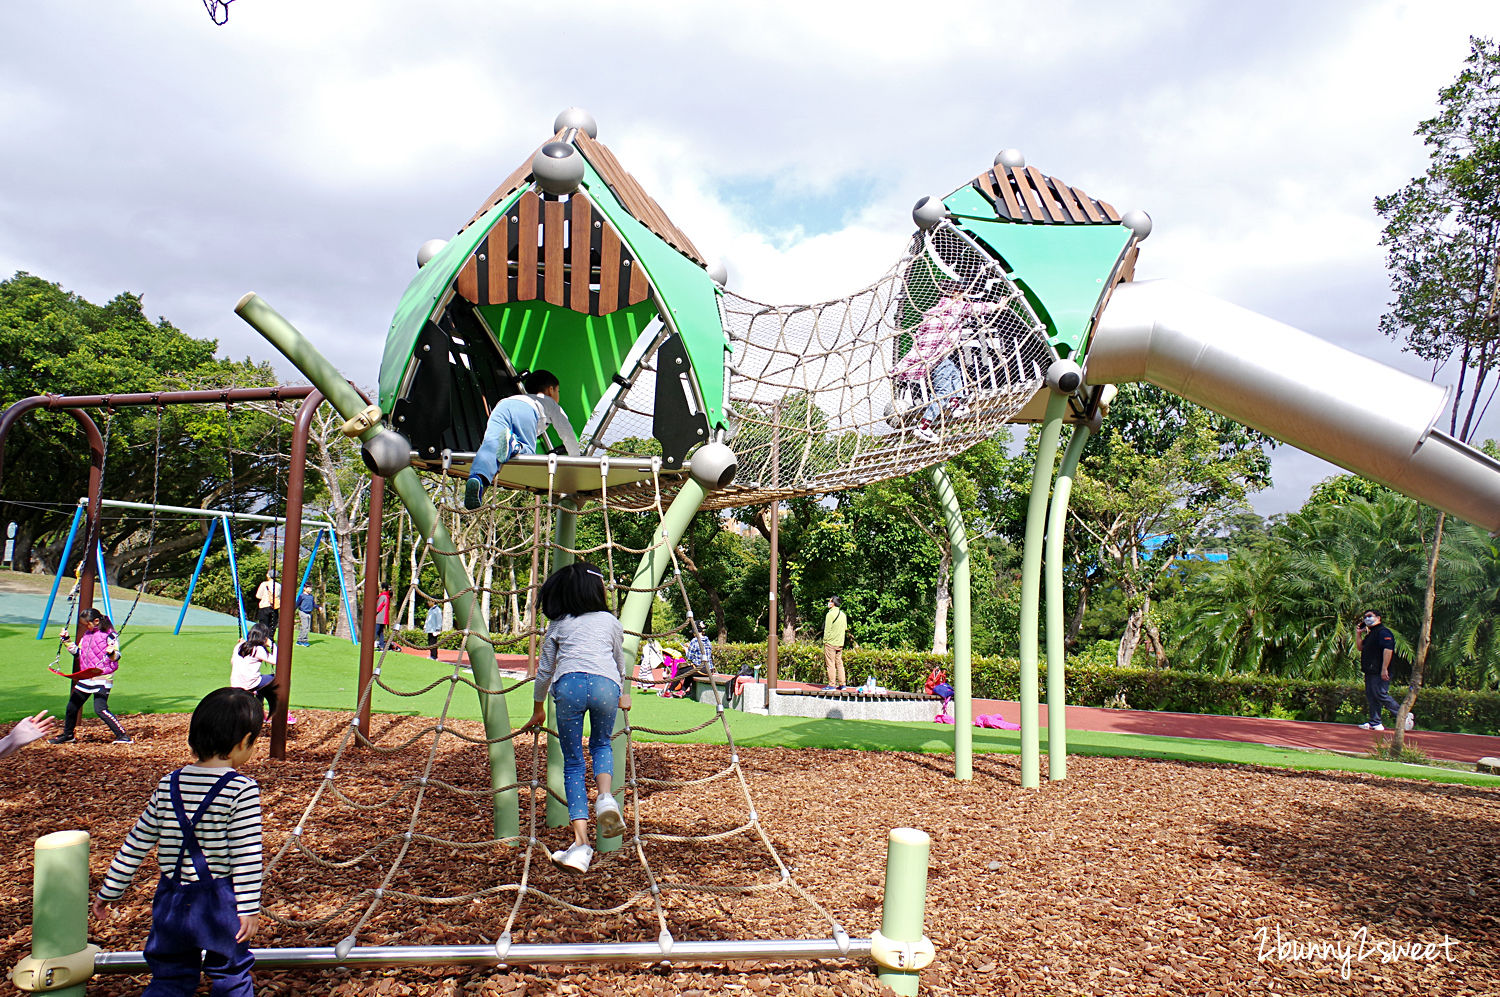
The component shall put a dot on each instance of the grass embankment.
(161, 673)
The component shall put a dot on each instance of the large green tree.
(1442, 241)
(54, 341)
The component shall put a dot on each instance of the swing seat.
(82, 673)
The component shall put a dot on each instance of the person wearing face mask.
(1376, 648)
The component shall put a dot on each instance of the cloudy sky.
(306, 149)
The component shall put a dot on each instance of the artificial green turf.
(160, 673)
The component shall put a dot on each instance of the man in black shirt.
(1376, 648)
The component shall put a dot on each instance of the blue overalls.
(193, 924)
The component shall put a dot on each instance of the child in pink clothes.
(98, 653)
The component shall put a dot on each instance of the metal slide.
(1355, 412)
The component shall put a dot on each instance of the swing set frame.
(309, 396)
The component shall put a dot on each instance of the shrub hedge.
(1174, 690)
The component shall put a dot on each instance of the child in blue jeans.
(516, 423)
(204, 821)
(582, 663)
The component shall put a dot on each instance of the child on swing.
(582, 663)
(98, 655)
(516, 423)
(204, 821)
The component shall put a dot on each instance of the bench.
(851, 704)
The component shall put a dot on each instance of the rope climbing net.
(694, 842)
(933, 357)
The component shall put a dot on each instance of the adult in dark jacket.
(1376, 648)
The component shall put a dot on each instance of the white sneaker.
(607, 813)
(574, 858)
(960, 411)
(1411, 721)
(1371, 726)
(922, 431)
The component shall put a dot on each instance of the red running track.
(1254, 730)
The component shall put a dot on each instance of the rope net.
(830, 396)
(388, 852)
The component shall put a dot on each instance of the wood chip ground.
(1133, 877)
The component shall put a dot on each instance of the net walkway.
(828, 396)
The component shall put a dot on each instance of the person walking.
(1377, 646)
(268, 601)
(382, 615)
(433, 627)
(835, 630)
(306, 606)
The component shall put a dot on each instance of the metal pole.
(758, 950)
(182, 510)
(565, 535)
(213, 524)
(963, 702)
(311, 557)
(60, 906)
(234, 575)
(372, 590)
(285, 337)
(338, 565)
(773, 639)
(291, 551)
(1031, 587)
(1057, 522)
(62, 565)
(109, 609)
(902, 919)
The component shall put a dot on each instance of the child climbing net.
(693, 839)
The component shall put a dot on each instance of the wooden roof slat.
(1088, 205)
(508, 186)
(1028, 196)
(554, 235)
(1064, 196)
(527, 210)
(639, 287)
(580, 236)
(467, 283)
(497, 260)
(609, 271)
(1109, 211)
(1002, 182)
(635, 199)
(1045, 195)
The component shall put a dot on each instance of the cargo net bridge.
(919, 366)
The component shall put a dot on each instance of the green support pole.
(654, 563)
(565, 535)
(59, 913)
(1031, 588)
(963, 702)
(481, 653)
(905, 911)
(1057, 521)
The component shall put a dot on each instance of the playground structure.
(570, 266)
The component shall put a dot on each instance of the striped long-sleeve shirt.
(228, 833)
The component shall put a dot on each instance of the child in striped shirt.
(204, 821)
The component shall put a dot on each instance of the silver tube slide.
(1353, 411)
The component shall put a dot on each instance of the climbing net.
(829, 396)
(397, 842)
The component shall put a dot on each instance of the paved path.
(1254, 730)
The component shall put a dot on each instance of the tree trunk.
(1075, 624)
(20, 557)
(1424, 641)
(1135, 625)
(944, 600)
(788, 609)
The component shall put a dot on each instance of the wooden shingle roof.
(1025, 194)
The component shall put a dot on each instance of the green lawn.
(165, 674)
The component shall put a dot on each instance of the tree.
(1442, 240)
(1163, 478)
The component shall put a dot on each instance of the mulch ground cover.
(1133, 877)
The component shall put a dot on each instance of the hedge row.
(1334, 701)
